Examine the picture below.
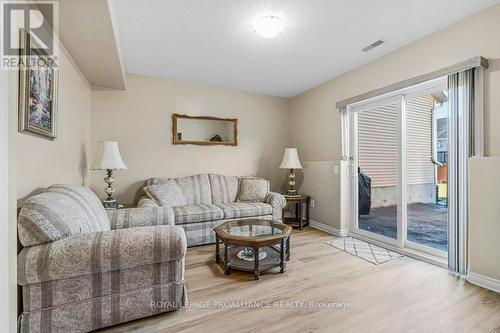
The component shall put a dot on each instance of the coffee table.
(252, 245)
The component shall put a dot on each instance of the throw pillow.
(253, 190)
(167, 194)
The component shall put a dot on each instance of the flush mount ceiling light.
(268, 26)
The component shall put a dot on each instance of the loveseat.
(81, 271)
(209, 200)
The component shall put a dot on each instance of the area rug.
(366, 251)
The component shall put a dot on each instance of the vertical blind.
(465, 93)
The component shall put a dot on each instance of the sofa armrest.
(140, 217)
(278, 202)
(146, 202)
(101, 252)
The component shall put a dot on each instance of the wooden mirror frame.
(176, 116)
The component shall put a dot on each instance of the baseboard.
(484, 281)
(329, 229)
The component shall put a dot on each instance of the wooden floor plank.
(404, 295)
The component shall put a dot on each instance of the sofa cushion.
(196, 189)
(253, 190)
(245, 209)
(140, 217)
(59, 212)
(144, 201)
(197, 213)
(167, 195)
(224, 188)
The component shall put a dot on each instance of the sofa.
(83, 268)
(210, 200)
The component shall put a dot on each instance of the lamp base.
(292, 191)
(110, 202)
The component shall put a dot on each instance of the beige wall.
(140, 120)
(315, 121)
(35, 162)
(42, 162)
(484, 216)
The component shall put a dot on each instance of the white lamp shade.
(291, 159)
(108, 157)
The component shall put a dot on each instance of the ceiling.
(212, 41)
(94, 47)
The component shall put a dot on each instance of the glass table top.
(252, 228)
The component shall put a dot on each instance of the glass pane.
(205, 130)
(378, 169)
(427, 170)
(251, 228)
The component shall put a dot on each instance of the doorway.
(398, 145)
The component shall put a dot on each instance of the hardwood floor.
(404, 295)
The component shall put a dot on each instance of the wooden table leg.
(301, 220)
(308, 206)
(288, 248)
(217, 258)
(282, 257)
(227, 261)
(256, 271)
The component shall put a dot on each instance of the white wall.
(140, 119)
(417, 193)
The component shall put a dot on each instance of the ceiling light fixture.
(269, 26)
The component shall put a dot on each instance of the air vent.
(373, 45)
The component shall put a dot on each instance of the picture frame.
(38, 88)
(180, 138)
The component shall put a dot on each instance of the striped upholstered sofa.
(80, 272)
(211, 200)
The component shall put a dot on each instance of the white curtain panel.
(465, 93)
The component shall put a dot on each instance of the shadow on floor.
(427, 224)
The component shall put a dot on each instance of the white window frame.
(349, 153)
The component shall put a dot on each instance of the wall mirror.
(204, 130)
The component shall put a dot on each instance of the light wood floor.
(405, 295)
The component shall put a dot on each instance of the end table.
(298, 220)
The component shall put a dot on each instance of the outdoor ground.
(427, 224)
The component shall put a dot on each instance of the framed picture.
(38, 78)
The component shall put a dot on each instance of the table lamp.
(108, 158)
(291, 161)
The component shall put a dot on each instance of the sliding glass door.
(376, 144)
(398, 168)
(426, 164)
